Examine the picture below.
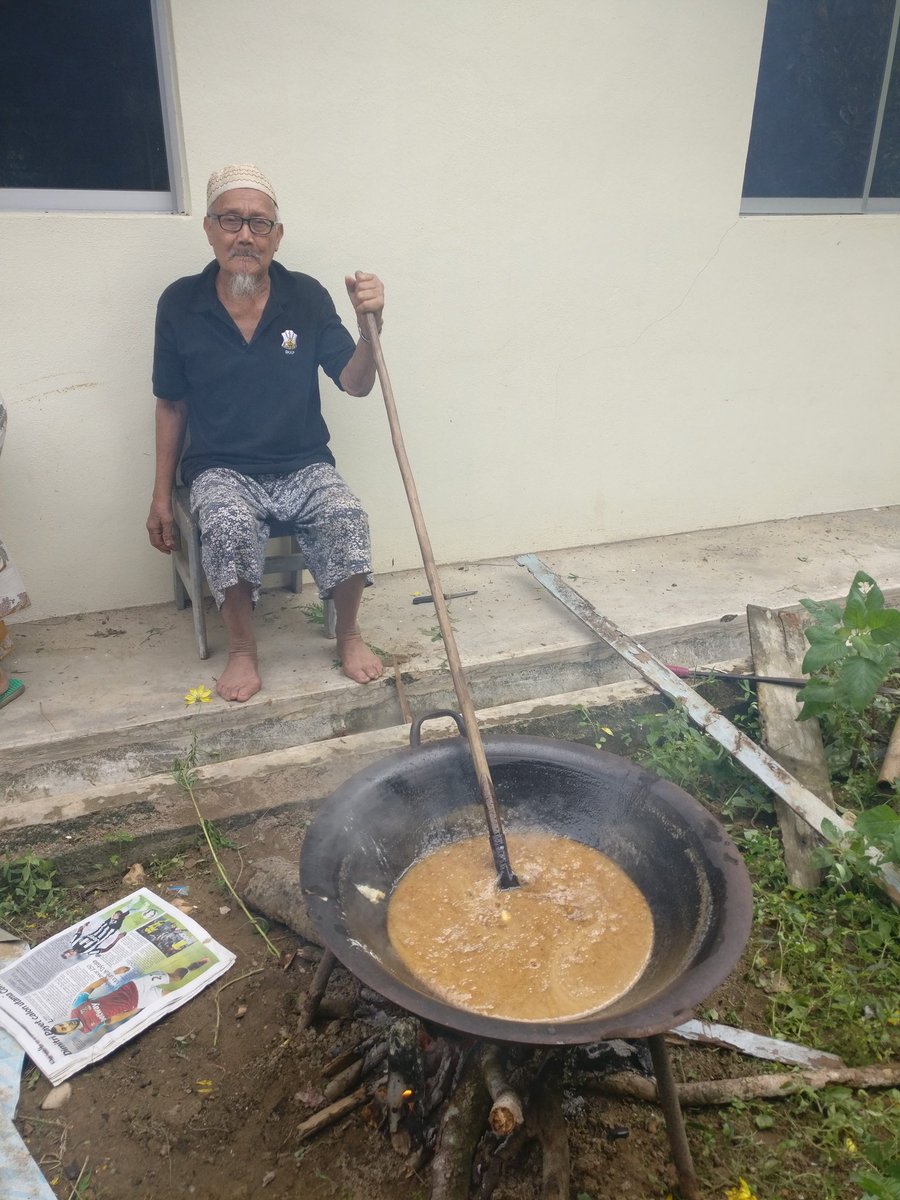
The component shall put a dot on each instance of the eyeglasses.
(232, 223)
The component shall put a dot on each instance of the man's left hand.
(366, 292)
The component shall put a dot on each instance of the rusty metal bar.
(803, 802)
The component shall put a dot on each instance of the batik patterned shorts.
(233, 511)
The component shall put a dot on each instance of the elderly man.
(236, 360)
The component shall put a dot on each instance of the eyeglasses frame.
(217, 217)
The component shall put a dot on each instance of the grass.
(825, 962)
(29, 893)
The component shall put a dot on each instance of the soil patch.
(206, 1103)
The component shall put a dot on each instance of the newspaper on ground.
(86, 991)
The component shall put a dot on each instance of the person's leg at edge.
(240, 680)
(230, 510)
(358, 662)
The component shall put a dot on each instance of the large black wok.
(382, 819)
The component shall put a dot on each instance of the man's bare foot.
(240, 680)
(358, 662)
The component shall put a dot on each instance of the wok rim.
(672, 1004)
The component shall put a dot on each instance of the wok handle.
(415, 733)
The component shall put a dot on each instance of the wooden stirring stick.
(499, 849)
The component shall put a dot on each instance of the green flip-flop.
(15, 689)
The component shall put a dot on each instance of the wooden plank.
(813, 810)
(756, 1045)
(778, 645)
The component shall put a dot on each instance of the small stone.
(134, 876)
(57, 1097)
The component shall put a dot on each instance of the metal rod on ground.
(499, 849)
(745, 677)
(804, 802)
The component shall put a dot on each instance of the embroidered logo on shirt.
(288, 341)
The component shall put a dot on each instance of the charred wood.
(547, 1123)
(462, 1125)
(316, 990)
(506, 1112)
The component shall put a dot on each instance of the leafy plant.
(678, 750)
(852, 649)
(314, 613)
(874, 839)
(827, 959)
(598, 733)
(28, 888)
(185, 773)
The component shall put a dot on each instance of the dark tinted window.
(820, 81)
(79, 96)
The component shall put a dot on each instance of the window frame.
(89, 200)
(852, 205)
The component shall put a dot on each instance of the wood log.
(346, 1080)
(462, 1125)
(779, 646)
(274, 890)
(506, 1111)
(547, 1123)
(890, 766)
(750, 1087)
(330, 1114)
(341, 1061)
(316, 991)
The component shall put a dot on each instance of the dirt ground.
(206, 1103)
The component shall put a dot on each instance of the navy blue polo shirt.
(254, 406)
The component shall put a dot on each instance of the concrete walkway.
(105, 691)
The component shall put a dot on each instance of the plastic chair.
(187, 569)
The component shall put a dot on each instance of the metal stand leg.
(671, 1106)
(327, 963)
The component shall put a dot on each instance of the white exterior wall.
(586, 342)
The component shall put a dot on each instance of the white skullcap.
(238, 175)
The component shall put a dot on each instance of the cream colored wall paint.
(586, 342)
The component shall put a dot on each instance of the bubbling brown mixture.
(571, 939)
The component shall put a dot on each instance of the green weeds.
(29, 891)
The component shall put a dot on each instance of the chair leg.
(330, 620)
(196, 574)
(296, 576)
(181, 596)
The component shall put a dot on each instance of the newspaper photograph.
(84, 992)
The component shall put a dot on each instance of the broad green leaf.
(885, 625)
(864, 599)
(817, 697)
(823, 650)
(829, 613)
(857, 683)
(878, 824)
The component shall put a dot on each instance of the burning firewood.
(406, 1085)
(461, 1128)
(506, 1112)
(350, 1076)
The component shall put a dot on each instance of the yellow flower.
(850, 1145)
(741, 1192)
(198, 695)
